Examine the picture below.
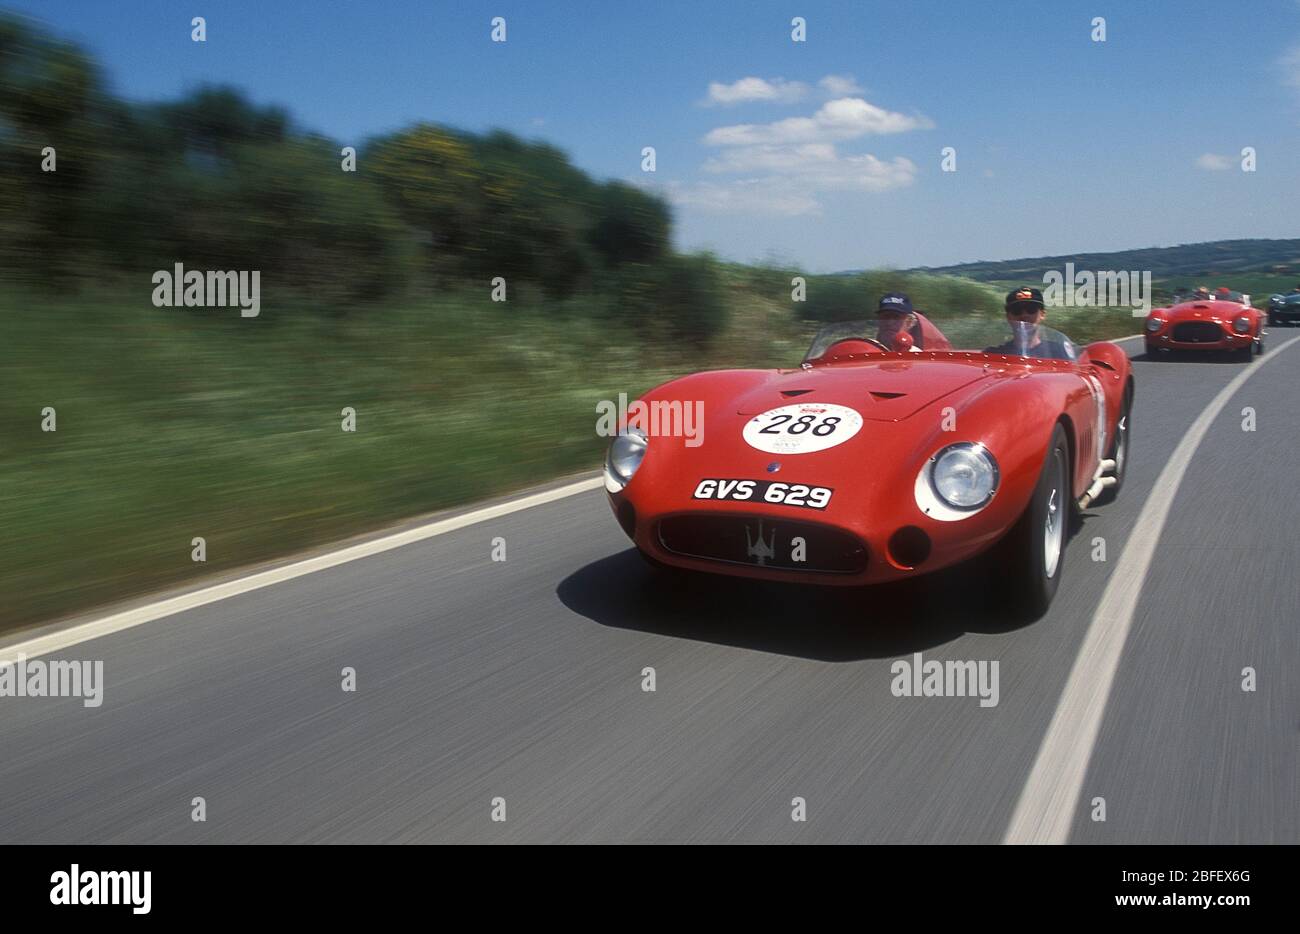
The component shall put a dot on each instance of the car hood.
(887, 390)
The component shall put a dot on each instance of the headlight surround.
(624, 457)
(964, 476)
(1155, 324)
(1241, 325)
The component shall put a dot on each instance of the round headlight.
(964, 476)
(1241, 325)
(625, 456)
(1153, 324)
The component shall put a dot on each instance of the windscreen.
(979, 334)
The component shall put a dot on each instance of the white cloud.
(1290, 63)
(796, 176)
(1289, 67)
(756, 196)
(771, 158)
(840, 85)
(817, 166)
(1213, 162)
(840, 119)
(749, 90)
(782, 168)
(862, 173)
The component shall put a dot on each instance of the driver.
(1025, 313)
(894, 314)
(1201, 293)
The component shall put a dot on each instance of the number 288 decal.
(802, 428)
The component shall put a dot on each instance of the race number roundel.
(802, 428)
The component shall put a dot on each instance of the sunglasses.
(1024, 310)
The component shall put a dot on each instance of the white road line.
(1047, 805)
(62, 639)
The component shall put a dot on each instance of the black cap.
(1025, 296)
(896, 302)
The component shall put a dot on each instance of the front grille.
(1198, 332)
(764, 543)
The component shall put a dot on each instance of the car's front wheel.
(1033, 551)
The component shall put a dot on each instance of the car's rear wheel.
(1032, 554)
(1119, 448)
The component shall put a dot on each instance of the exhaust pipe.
(1099, 483)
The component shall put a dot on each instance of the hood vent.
(791, 393)
(887, 395)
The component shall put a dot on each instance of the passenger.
(1025, 313)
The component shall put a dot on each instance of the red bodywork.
(1009, 404)
(1203, 325)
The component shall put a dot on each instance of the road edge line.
(76, 633)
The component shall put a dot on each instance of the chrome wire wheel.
(1121, 444)
(1054, 521)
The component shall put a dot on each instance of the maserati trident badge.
(760, 549)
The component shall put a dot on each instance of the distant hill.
(1195, 260)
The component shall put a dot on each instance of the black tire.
(1119, 448)
(1030, 575)
(1245, 353)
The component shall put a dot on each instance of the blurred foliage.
(849, 297)
(215, 181)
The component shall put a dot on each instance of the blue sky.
(1063, 144)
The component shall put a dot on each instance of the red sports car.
(1222, 320)
(870, 463)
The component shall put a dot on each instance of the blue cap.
(896, 302)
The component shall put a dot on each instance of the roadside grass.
(175, 424)
(178, 424)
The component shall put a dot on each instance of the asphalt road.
(523, 680)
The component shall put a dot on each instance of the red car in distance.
(1222, 321)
